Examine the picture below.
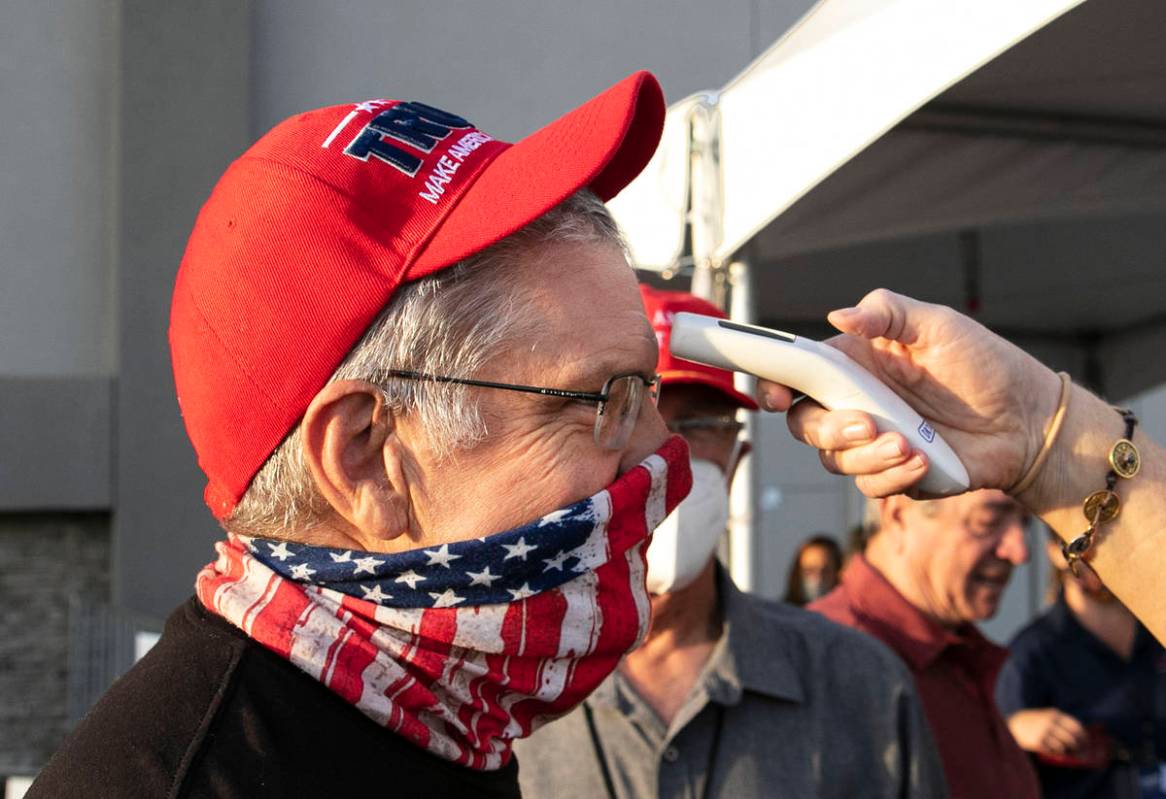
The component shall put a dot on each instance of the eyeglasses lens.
(616, 418)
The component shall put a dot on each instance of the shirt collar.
(747, 658)
(741, 661)
(917, 638)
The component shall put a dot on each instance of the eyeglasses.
(617, 402)
(713, 430)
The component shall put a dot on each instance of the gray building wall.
(58, 199)
(184, 117)
(58, 187)
(58, 351)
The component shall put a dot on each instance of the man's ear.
(892, 519)
(347, 432)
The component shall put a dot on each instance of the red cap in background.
(661, 306)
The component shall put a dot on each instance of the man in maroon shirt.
(931, 570)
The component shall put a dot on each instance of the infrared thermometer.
(823, 373)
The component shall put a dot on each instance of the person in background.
(931, 570)
(1084, 690)
(815, 570)
(731, 695)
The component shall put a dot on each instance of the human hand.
(988, 398)
(1047, 730)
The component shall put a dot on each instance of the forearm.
(1129, 553)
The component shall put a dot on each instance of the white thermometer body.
(822, 372)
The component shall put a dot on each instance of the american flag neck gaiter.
(462, 647)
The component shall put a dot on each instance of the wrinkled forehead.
(963, 505)
(584, 303)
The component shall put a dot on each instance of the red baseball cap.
(661, 306)
(309, 233)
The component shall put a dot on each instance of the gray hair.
(872, 514)
(452, 323)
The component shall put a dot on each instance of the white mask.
(684, 542)
(813, 588)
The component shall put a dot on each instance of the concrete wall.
(57, 187)
(509, 66)
(58, 350)
(58, 199)
(184, 78)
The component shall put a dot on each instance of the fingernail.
(856, 431)
(844, 312)
(916, 463)
(892, 450)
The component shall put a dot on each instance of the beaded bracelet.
(1104, 505)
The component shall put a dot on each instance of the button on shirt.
(955, 672)
(1056, 662)
(788, 705)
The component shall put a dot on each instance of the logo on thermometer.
(927, 431)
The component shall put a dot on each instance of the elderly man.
(931, 570)
(414, 365)
(731, 695)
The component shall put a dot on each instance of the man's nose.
(648, 435)
(1013, 546)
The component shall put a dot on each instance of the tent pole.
(706, 208)
(743, 556)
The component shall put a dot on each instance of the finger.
(880, 314)
(773, 396)
(896, 480)
(1051, 743)
(830, 430)
(1073, 731)
(885, 452)
(1064, 738)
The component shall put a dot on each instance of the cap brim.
(602, 145)
(680, 376)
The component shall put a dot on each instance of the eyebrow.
(604, 367)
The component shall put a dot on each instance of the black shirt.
(1055, 662)
(209, 712)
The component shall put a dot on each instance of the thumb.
(881, 314)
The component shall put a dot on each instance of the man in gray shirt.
(731, 695)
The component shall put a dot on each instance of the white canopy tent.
(1008, 159)
(852, 155)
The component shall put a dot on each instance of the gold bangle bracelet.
(1050, 437)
